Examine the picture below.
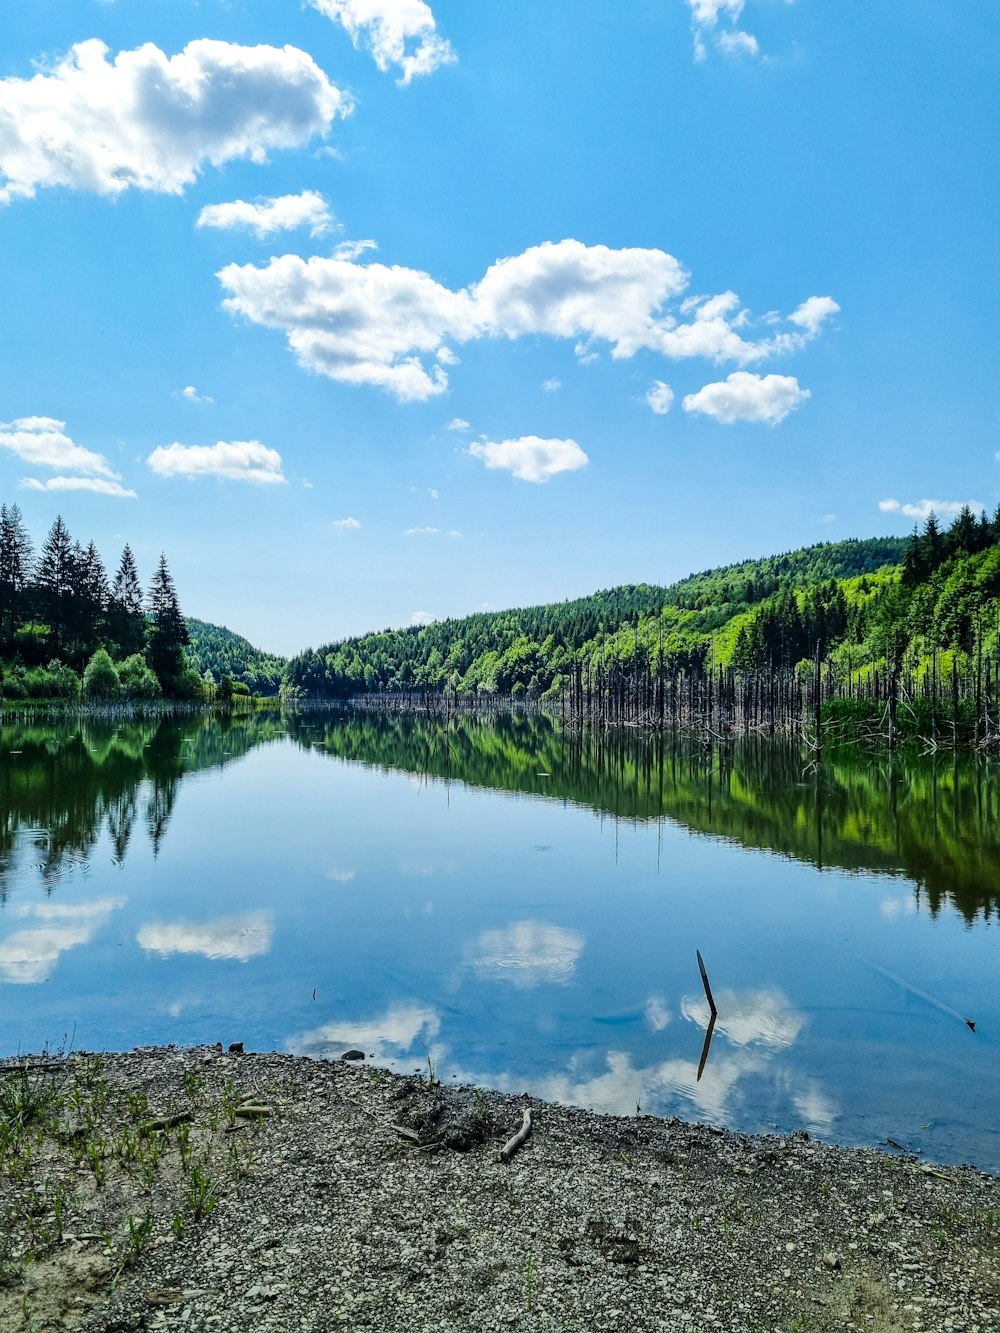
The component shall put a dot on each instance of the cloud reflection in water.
(526, 954)
(29, 956)
(229, 937)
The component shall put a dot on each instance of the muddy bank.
(208, 1190)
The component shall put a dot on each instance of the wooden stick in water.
(704, 981)
(922, 995)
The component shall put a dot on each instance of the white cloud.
(812, 313)
(44, 442)
(191, 395)
(659, 396)
(738, 44)
(267, 216)
(527, 953)
(347, 524)
(431, 532)
(340, 876)
(829, 518)
(99, 485)
(746, 1017)
(732, 41)
(400, 33)
(433, 493)
(352, 249)
(149, 121)
(743, 396)
(236, 460)
(232, 937)
(552, 386)
(530, 458)
(924, 508)
(421, 618)
(458, 423)
(381, 325)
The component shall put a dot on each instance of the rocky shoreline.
(200, 1189)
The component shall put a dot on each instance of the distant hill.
(532, 650)
(218, 650)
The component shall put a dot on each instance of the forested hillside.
(534, 651)
(220, 652)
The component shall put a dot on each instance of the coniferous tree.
(166, 633)
(55, 584)
(126, 619)
(89, 605)
(15, 573)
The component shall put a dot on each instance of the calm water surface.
(521, 905)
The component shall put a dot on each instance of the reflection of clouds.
(30, 955)
(892, 908)
(527, 953)
(748, 1016)
(237, 937)
(391, 1033)
(340, 876)
(656, 1012)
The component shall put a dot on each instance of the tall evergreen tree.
(87, 629)
(166, 633)
(15, 573)
(54, 584)
(126, 618)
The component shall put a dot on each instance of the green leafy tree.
(100, 679)
(137, 680)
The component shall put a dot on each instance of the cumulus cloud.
(347, 524)
(236, 460)
(707, 18)
(238, 938)
(659, 396)
(44, 442)
(743, 396)
(98, 485)
(421, 618)
(149, 121)
(286, 212)
(924, 508)
(530, 458)
(431, 532)
(458, 423)
(398, 33)
(738, 44)
(390, 326)
(526, 953)
(191, 395)
(552, 385)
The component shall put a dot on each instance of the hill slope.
(533, 649)
(218, 650)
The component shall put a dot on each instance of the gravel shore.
(209, 1190)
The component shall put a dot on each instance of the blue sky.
(367, 310)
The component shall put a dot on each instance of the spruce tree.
(126, 618)
(55, 584)
(15, 573)
(166, 633)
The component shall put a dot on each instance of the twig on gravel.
(515, 1141)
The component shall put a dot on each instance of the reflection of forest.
(934, 820)
(931, 819)
(62, 784)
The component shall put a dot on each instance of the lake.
(518, 904)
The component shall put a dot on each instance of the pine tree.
(166, 633)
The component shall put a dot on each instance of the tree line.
(67, 628)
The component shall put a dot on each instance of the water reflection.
(388, 1037)
(527, 953)
(238, 938)
(30, 955)
(934, 820)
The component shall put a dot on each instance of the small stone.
(832, 1260)
(235, 1048)
(353, 1055)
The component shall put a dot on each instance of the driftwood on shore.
(517, 1140)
